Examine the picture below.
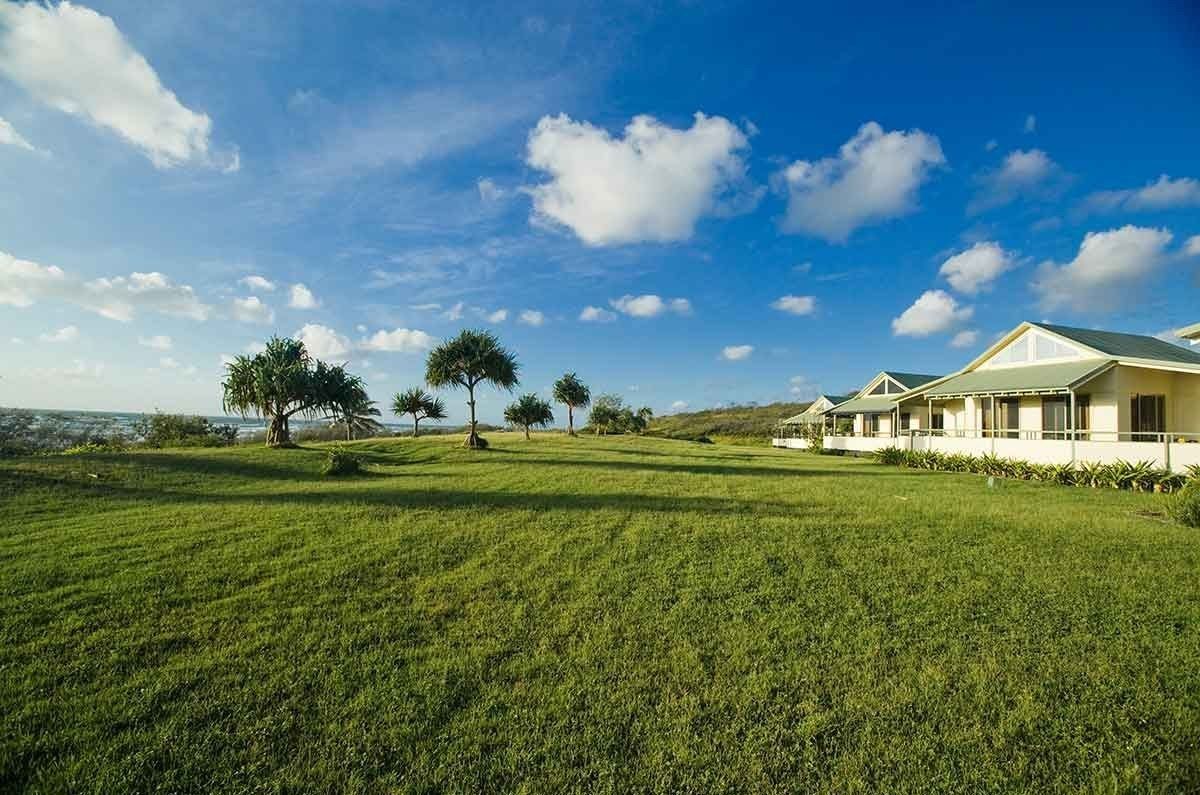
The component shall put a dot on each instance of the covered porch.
(867, 424)
(1077, 412)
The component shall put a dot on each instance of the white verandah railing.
(1170, 450)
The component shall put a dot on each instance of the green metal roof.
(910, 380)
(1012, 380)
(836, 399)
(875, 404)
(1133, 346)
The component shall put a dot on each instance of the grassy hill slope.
(747, 424)
(585, 615)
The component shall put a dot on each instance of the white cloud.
(795, 304)
(252, 310)
(23, 283)
(933, 312)
(874, 177)
(1023, 174)
(1030, 123)
(10, 137)
(64, 334)
(455, 312)
(650, 305)
(595, 314)
(652, 185)
(489, 191)
(425, 308)
(1163, 194)
(254, 348)
(400, 340)
(257, 284)
(159, 342)
(300, 297)
(801, 387)
(360, 328)
(499, 316)
(976, 268)
(1109, 268)
(322, 341)
(991, 145)
(1192, 247)
(965, 338)
(76, 60)
(736, 353)
(679, 405)
(79, 370)
(531, 317)
(168, 363)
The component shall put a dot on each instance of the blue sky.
(687, 203)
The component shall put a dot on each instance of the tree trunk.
(415, 422)
(472, 438)
(349, 432)
(527, 433)
(570, 420)
(277, 432)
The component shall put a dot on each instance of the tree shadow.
(342, 494)
(688, 469)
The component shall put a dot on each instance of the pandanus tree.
(573, 393)
(472, 358)
(282, 382)
(359, 415)
(529, 411)
(420, 404)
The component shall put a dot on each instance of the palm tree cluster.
(284, 381)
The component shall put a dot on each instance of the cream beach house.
(875, 416)
(790, 432)
(1049, 394)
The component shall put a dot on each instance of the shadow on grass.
(342, 494)
(685, 468)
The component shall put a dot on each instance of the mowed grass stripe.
(613, 614)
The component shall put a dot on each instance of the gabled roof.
(1118, 345)
(874, 404)
(835, 399)
(1191, 332)
(910, 380)
(1033, 379)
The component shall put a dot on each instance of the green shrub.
(1184, 507)
(182, 430)
(341, 462)
(892, 456)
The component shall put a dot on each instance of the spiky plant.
(574, 394)
(472, 358)
(420, 405)
(529, 411)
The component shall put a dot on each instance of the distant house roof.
(836, 399)
(1133, 346)
(910, 380)
(1016, 380)
(873, 404)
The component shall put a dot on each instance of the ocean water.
(125, 422)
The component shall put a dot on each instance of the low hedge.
(1140, 476)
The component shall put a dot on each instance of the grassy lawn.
(586, 615)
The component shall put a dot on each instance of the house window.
(1147, 417)
(905, 419)
(874, 421)
(1083, 413)
(1009, 421)
(937, 420)
(1054, 418)
(985, 416)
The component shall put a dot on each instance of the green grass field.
(589, 615)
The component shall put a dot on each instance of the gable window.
(1054, 418)
(886, 387)
(1147, 417)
